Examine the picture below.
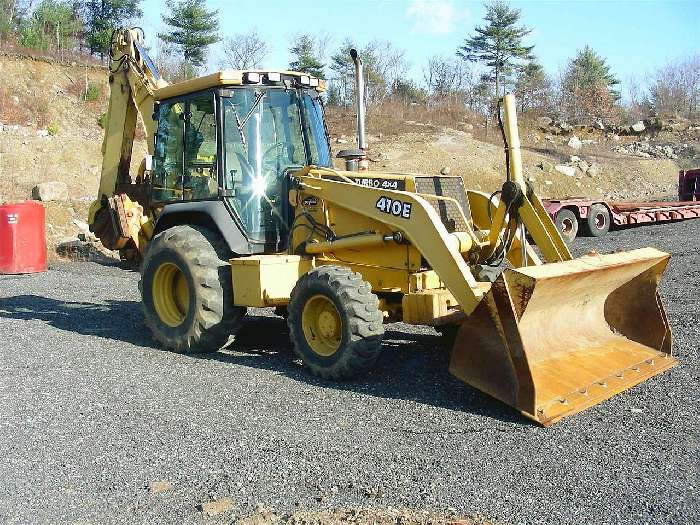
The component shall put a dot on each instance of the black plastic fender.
(209, 214)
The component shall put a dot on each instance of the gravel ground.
(91, 413)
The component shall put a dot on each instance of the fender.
(210, 214)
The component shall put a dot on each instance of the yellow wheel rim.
(322, 325)
(171, 294)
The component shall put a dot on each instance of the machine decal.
(385, 184)
(11, 218)
(394, 207)
(310, 201)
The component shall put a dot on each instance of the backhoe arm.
(133, 80)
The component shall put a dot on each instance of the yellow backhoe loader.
(237, 205)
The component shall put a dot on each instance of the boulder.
(445, 170)
(574, 142)
(569, 171)
(545, 166)
(50, 191)
(593, 170)
(638, 127)
(543, 123)
(564, 127)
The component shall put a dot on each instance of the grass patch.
(93, 93)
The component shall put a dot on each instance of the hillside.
(48, 132)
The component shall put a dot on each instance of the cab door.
(185, 160)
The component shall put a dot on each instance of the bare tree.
(384, 65)
(169, 63)
(385, 68)
(448, 78)
(245, 50)
(675, 88)
(637, 106)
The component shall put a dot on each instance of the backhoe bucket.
(555, 339)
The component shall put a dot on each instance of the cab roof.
(234, 77)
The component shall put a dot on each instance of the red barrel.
(22, 238)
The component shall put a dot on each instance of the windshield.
(266, 134)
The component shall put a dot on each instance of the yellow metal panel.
(266, 280)
(229, 77)
(428, 306)
(426, 280)
(220, 78)
(381, 279)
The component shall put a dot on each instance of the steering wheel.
(275, 146)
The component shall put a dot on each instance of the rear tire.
(598, 221)
(567, 224)
(335, 324)
(186, 290)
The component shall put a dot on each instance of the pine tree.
(102, 17)
(498, 44)
(193, 28)
(588, 87)
(589, 70)
(305, 56)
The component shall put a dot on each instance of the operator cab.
(239, 142)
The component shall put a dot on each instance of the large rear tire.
(186, 290)
(598, 221)
(335, 324)
(567, 224)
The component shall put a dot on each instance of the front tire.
(186, 290)
(335, 324)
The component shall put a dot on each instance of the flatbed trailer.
(574, 215)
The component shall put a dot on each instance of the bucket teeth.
(555, 339)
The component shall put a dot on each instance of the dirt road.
(91, 413)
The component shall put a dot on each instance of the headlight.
(252, 78)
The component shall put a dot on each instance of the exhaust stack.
(356, 159)
(360, 99)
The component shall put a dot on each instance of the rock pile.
(85, 247)
(646, 150)
(576, 167)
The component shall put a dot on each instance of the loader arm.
(417, 221)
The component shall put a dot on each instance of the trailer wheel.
(335, 323)
(567, 224)
(598, 221)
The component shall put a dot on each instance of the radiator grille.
(448, 211)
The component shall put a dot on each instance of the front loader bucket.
(555, 339)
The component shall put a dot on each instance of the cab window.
(185, 156)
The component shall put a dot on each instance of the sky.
(635, 37)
